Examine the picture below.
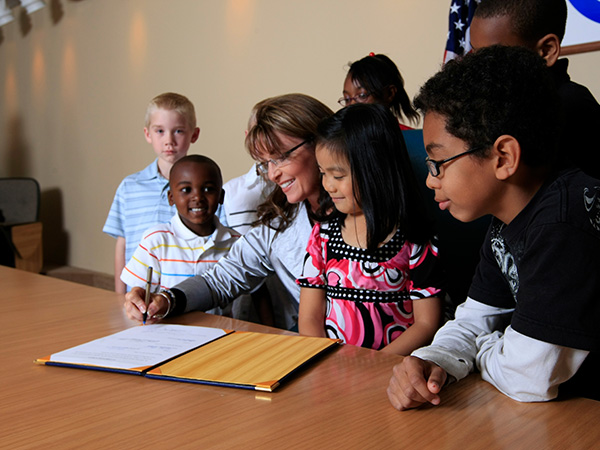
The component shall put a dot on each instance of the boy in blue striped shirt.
(141, 198)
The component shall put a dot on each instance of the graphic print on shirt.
(591, 201)
(505, 259)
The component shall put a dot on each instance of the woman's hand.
(135, 306)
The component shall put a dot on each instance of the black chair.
(19, 200)
(20, 229)
(460, 242)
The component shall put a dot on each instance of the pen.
(148, 285)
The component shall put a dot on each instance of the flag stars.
(457, 40)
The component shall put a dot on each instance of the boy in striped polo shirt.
(194, 239)
(141, 198)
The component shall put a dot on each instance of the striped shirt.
(243, 194)
(176, 253)
(140, 202)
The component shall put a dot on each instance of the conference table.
(337, 401)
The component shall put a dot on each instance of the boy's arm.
(420, 377)
(427, 313)
(521, 367)
(454, 347)
(526, 369)
(136, 270)
(311, 315)
(120, 287)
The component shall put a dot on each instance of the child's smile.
(197, 211)
(195, 189)
(337, 181)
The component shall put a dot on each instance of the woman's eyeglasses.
(263, 167)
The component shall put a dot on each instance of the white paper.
(140, 346)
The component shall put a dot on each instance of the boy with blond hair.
(141, 199)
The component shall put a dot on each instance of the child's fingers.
(406, 385)
(436, 380)
(401, 398)
(414, 382)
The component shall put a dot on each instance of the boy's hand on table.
(414, 382)
(135, 305)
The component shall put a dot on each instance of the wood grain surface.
(339, 401)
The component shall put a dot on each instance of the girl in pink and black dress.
(371, 275)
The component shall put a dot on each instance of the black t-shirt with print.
(546, 265)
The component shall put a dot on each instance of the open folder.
(197, 355)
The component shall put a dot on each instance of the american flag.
(459, 39)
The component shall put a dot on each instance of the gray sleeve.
(454, 347)
(523, 368)
(240, 272)
(526, 369)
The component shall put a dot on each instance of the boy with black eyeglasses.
(530, 322)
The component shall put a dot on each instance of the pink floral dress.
(369, 295)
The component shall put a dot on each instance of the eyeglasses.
(358, 98)
(434, 166)
(263, 167)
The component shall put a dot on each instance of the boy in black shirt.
(530, 322)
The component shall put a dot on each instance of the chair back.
(19, 200)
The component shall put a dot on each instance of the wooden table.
(338, 402)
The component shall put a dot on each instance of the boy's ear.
(170, 196)
(147, 135)
(548, 48)
(507, 151)
(195, 134)
(222, 197)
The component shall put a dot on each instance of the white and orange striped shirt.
(176, 253)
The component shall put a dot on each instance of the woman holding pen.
(282, 144)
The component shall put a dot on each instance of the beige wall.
(77, 75)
